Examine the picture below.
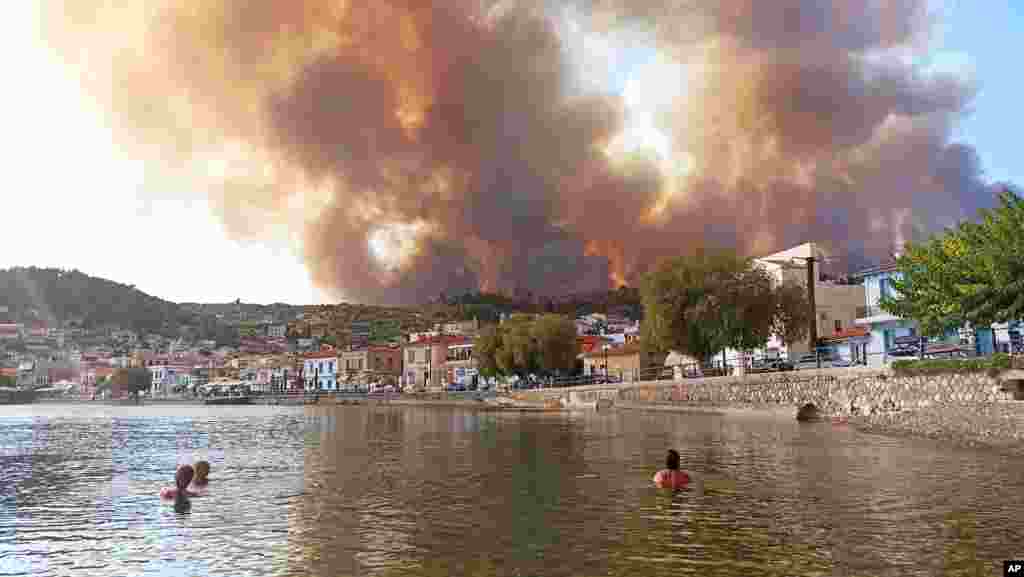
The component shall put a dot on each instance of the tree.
(523, 345)
(973, 273)
(556, 345)
(487, 346)
(132, 381)
(793, 313)
(7, 381)
(713, 300)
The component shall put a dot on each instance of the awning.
(907, 340)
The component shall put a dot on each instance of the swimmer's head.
(202, 471)
(184, 476)
(672, 460)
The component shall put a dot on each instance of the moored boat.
(17, 396)
(233, 400)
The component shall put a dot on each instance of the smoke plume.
(414, 147)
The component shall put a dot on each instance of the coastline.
(996, 425)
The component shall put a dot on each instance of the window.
(412, 356)
(885, 287)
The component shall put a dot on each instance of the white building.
(277, 331)
(319, 371)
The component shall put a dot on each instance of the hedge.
(992, 365)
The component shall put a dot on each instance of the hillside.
(59, 296)
(69, 296)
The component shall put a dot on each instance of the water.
(425, 491)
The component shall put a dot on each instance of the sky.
(72, 200)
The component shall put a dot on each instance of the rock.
(808, 413)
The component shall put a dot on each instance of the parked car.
(810, 361)
(771, 365)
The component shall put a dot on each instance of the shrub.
(991, 365)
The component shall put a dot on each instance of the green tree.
(712, 300)
(6, 381)
(486, 351)
(556, 345)
(523, 345)
(973, 273)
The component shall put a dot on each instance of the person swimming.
(201, 479)
(182, 478)
(671, 477)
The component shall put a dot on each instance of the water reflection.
(411, 491)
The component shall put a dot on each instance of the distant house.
(320, 371)
(426, 365)
(375, 363)
(10, 331)
(628, 363)
(277, 331)
(588, 343)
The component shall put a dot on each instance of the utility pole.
(812, 334)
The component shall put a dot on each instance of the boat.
(233, 400)
(17, 396)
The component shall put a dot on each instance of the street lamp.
(605, 347)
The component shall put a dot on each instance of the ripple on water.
(408, 491)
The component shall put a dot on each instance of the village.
(850, 329)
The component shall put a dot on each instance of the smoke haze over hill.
(411, 147)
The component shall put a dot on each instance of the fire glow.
(416, 147)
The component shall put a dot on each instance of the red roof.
(9, 372)
(848, 333)
(441, 340)
(322, 355)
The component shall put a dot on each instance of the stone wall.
(975, 407)
(837, 392)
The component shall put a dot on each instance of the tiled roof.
(848, 333)
(624, 351)
(322, 355)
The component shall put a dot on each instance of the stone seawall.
(972, 408)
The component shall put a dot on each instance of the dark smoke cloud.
(460, 120)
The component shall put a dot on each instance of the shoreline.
(995, 426)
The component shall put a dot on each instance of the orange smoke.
(467, 122)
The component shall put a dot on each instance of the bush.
(991, 365)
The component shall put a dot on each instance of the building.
(894, 337)
(588, 343)
(10, 331)
(461, 328)
(628, 363)
(850, 344)
(835, 304)
(460, 364)
(425, 364)
(360, 334)
(319, 371)
(416, 363)
(372, 364)
(277, 331)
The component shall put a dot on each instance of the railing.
(870, 311)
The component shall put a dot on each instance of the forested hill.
(58, 296)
